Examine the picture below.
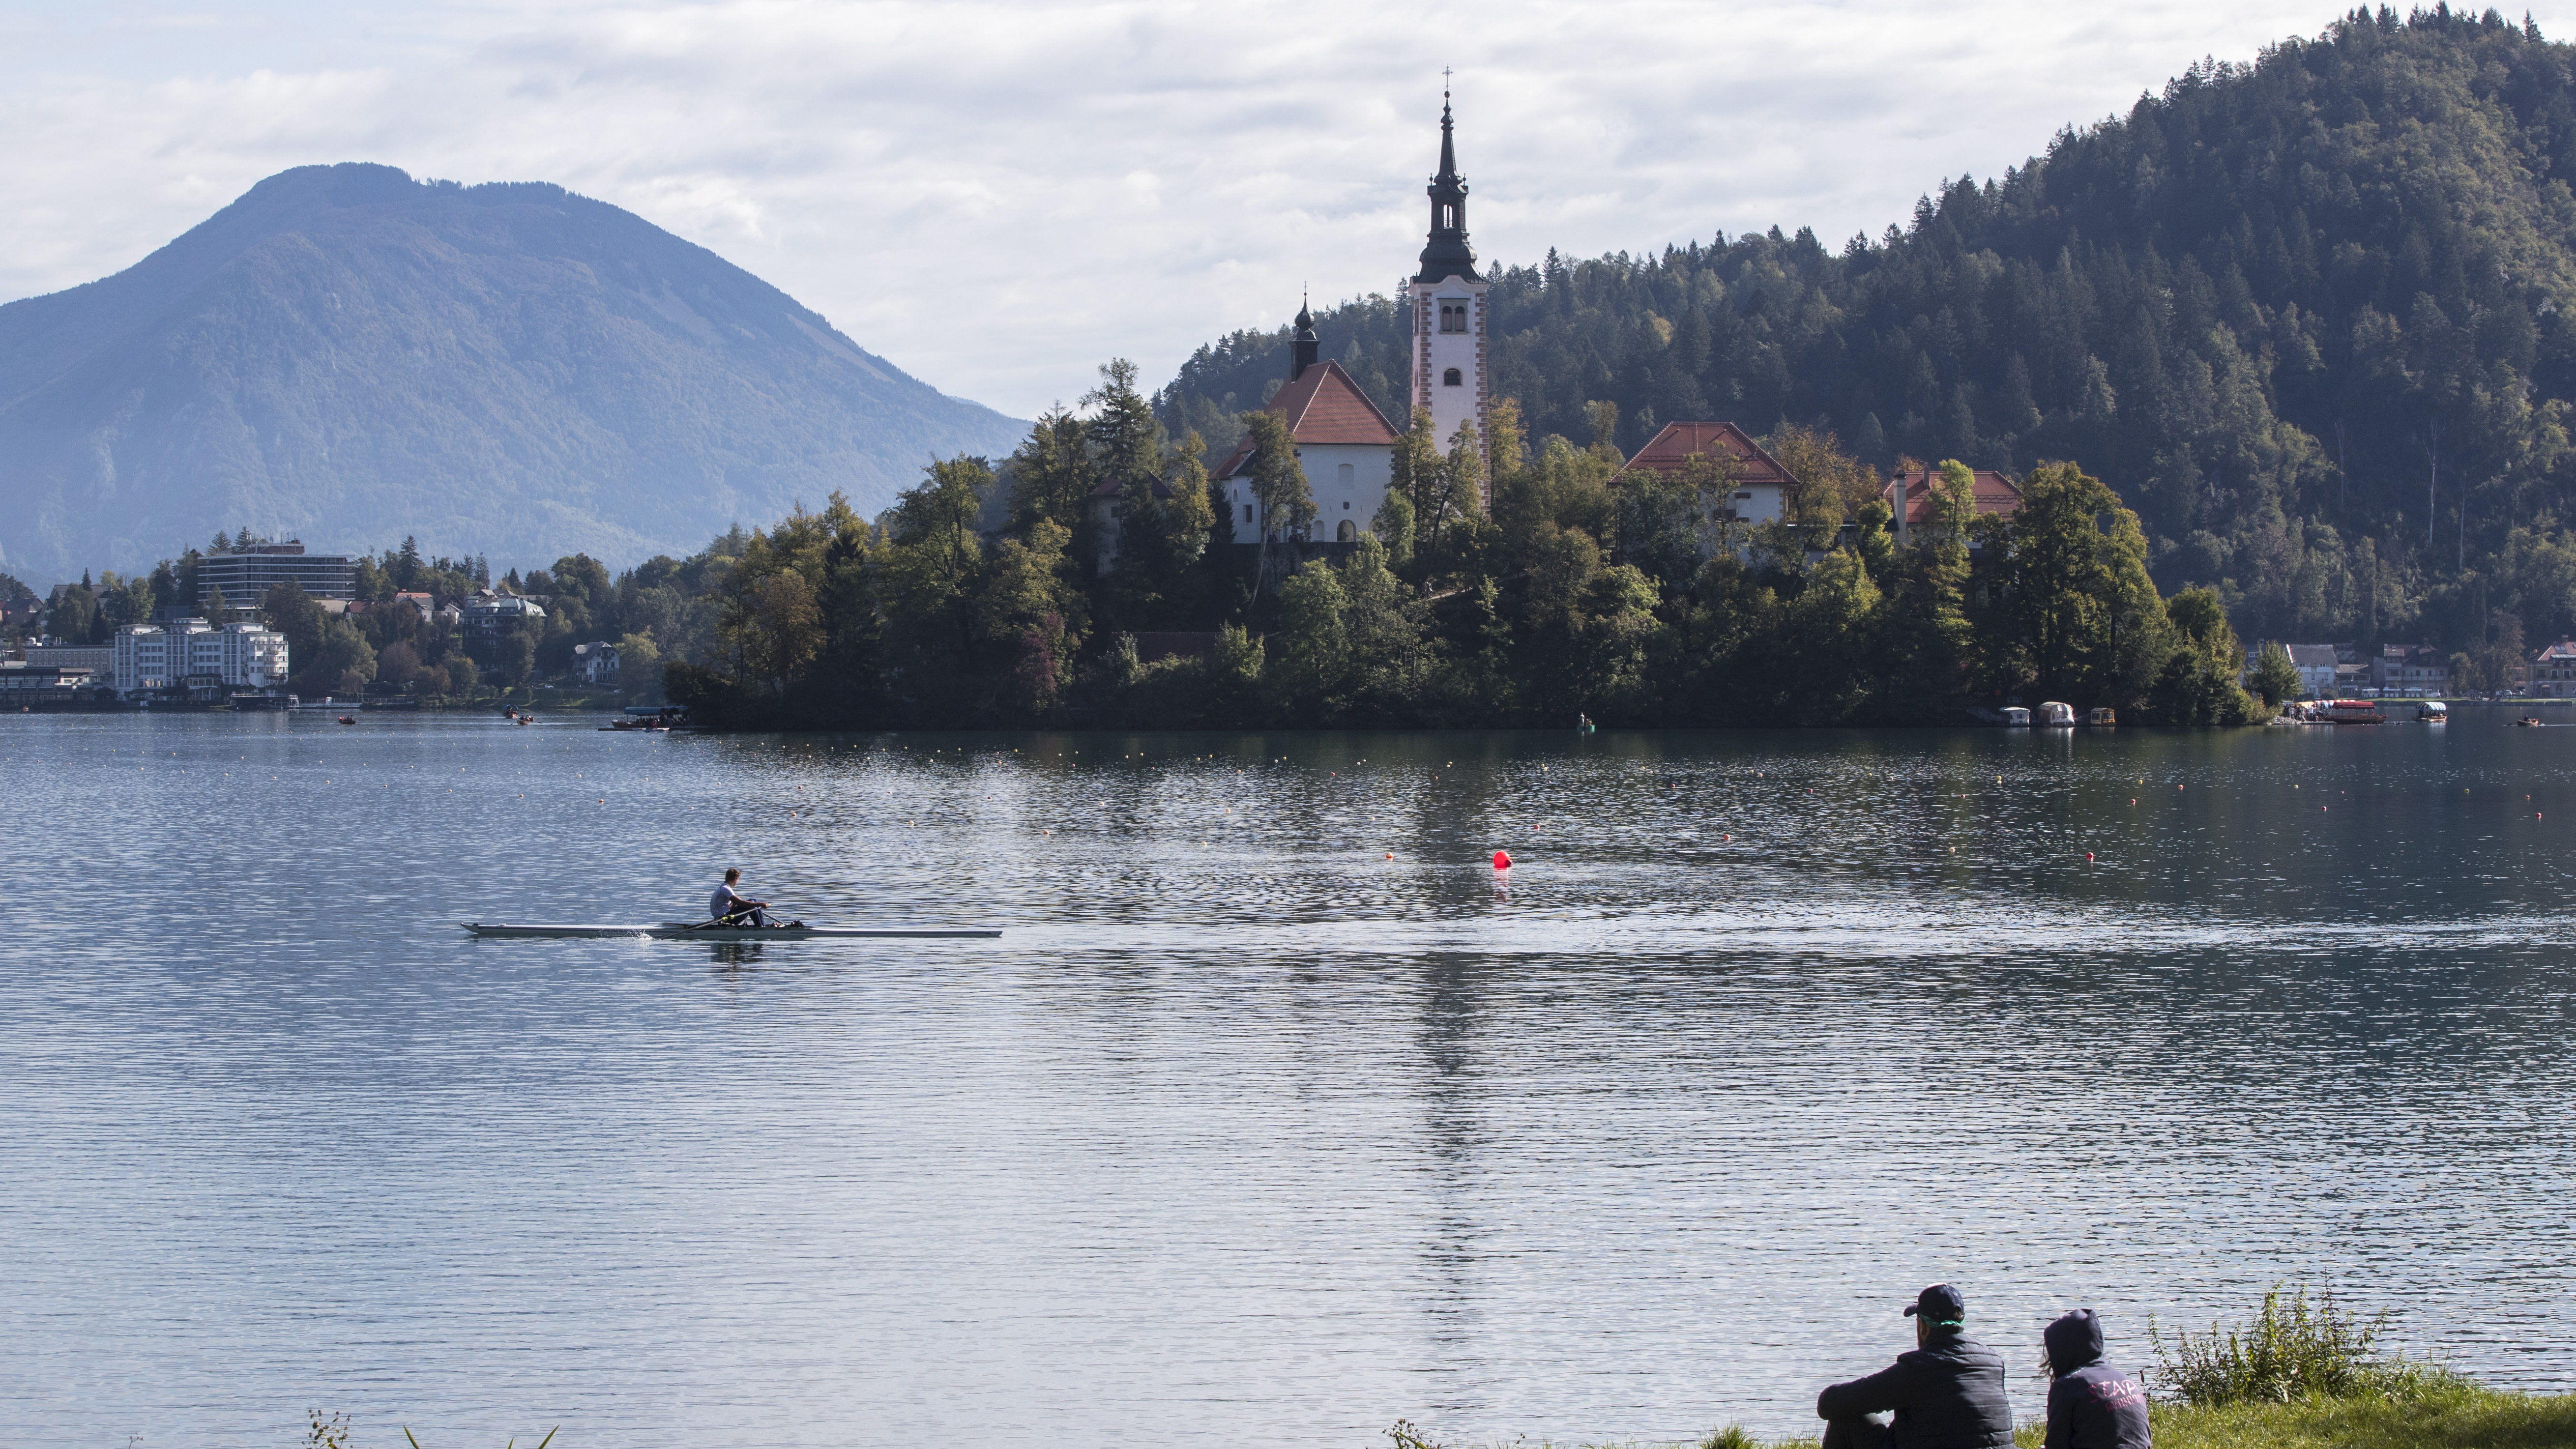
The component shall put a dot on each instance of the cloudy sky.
(999, 195)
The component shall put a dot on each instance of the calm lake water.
(1246, 1133)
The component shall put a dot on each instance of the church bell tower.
(1449, 328)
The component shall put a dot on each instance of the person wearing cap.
(1947, 1394)
(2091, 1405)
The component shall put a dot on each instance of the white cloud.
(999, 195)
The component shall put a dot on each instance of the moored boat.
(2433, 711)
(2350, 711)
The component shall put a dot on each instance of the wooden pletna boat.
(689, 931)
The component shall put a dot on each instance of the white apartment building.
(168, 655)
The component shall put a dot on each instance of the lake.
(1278, 1113)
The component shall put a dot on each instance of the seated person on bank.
(1947, 1394)
(2091, 1405)
(734, 909)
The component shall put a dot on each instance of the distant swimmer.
(732, 907)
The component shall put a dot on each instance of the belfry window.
(1453, 378)
(1453, 316)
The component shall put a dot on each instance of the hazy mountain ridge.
(510, 369)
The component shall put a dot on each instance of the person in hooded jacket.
(2091, 1405)
(1947, 1394)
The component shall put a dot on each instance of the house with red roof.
(1911, 500)
(1761, 486)
(1345, 446)
(2553, 671)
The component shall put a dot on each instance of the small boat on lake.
(2015, 717)
(2529, 721)
(2349, 711)
(2432, 711)
(687, 931)
(2057, 714)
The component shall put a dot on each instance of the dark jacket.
(1948, 1394)
(2091, 1405)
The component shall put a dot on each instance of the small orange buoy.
(1390, 855)
(1502, 860)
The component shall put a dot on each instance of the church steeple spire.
(1304, 346)
(1447, 254)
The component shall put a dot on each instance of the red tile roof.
(1994, 493)
(1322, 405)
(2563, 651)
(1670, 449)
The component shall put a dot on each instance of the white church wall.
(1353, 495)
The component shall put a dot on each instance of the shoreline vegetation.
(2460, 1416)
(2302, 1373)
(1096, 579)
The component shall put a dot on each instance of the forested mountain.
(2310, 316)
(354, 357)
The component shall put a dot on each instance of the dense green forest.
(1572, 595)
(2310, 317)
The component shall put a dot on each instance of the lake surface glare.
(1278, 1113)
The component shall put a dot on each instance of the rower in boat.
(729, 907)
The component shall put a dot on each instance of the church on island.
(1346, 445)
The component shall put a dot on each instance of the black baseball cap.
(1940, 1305)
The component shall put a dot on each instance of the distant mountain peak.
(350, 355)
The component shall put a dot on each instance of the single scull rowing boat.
(683, 931)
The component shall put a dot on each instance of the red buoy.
(1502, 860)
(2088, 857)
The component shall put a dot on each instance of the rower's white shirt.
(721, 903)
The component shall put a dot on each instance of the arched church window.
(1345, 475)
(1453, 378)
(1453, 316)
(1349, 532)
(1448, 216)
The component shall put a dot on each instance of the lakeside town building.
(2415, 671)
(2553, 671)
(23, 685)
(53, 654)
(489, 617)
(193, 654)
(2320, 669)
(245, 575)
(1760, 491)
(1912, 500)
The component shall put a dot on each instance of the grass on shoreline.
(2461, 1417)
